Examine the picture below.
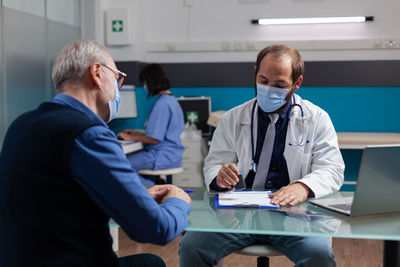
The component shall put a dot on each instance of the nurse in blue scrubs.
(162, 145)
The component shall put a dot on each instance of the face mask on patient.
(113, 104)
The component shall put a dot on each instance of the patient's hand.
(161, 193)
(177, 192)
(158, 192)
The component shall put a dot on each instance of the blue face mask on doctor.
(113, 104)
(270, 98)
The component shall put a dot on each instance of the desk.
(358, 141)
(205, 218)
(349, 140)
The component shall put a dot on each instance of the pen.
(189, 191)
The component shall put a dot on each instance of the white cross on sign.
(192, 116)
(117, 25)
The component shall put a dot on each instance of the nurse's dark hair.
(282, 50)
(155, 78)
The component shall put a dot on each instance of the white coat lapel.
(293, 151)
(244, 137)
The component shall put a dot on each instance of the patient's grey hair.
(74, 60)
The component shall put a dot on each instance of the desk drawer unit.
(192, 163)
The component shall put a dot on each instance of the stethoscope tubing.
(253, 164)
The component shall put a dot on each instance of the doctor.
(278, 141)
(165, 124)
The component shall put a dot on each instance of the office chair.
(166, 173)
(263, 252)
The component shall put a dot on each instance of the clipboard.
(244, 199)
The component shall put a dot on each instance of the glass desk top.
(296, 221)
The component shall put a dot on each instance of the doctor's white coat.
(317, 163)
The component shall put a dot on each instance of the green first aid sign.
(192, 116)
(117, 25)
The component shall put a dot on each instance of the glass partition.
(32, 33)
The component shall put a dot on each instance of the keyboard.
(344, 206)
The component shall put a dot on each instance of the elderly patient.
(63, 174)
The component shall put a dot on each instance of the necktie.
(266, 153)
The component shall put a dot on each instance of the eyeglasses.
(121, 76)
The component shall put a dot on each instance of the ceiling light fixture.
(311, 20)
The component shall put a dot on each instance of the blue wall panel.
(352, 109)
(358, 109)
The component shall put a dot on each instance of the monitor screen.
(128, 102)
(197, 109)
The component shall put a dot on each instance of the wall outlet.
(250, 46)
(391, 44)
(171, 47)
(226, 46)
(238, 46)
(377, 44)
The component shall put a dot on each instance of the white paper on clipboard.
(245, 198)
(128, 102)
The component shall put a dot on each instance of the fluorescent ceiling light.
(311, 20)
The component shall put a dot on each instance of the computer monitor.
(128, 102)
(197, 110)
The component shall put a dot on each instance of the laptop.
(378, 184)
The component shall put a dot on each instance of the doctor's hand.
(290, 195)
(228, 176)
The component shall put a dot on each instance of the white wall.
(93, 27)
(220, 30)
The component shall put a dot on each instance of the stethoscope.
(253, 165)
